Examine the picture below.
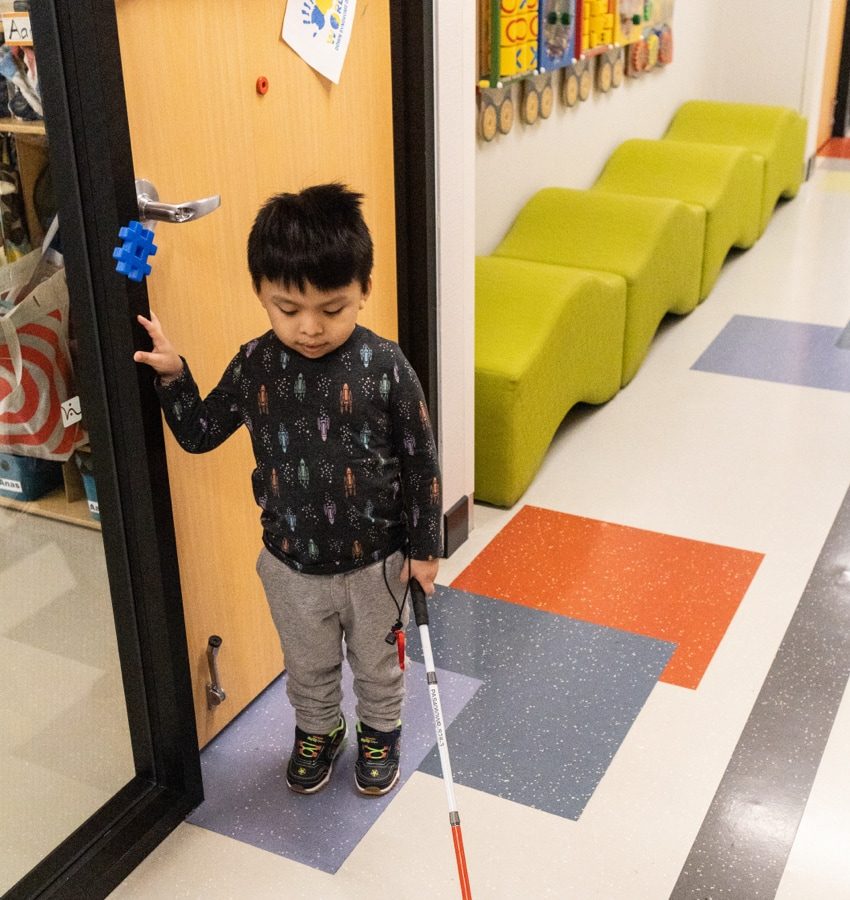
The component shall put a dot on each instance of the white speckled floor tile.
(819, 864)
(745, 839)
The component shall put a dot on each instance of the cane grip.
(420, 602)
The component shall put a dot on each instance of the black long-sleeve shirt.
(346, 465)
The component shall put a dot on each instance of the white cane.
(420, 614)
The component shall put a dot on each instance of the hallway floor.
(643, 662)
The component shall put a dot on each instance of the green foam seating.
(546, 338)
(569, 302)
(726, 182)
(775, 135)
(655, 244)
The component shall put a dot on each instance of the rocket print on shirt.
(346, 464)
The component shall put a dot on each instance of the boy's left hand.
(423, 570)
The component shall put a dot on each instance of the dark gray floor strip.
(743, 844)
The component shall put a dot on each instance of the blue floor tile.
(244, 774)
(557, 700)
(775, 350)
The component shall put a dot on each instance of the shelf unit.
(14, 126)
(67, 503)
(55, 505)
(31, 142)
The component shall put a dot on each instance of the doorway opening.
(835, 100)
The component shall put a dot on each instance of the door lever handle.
(215, 692)
(151, 210)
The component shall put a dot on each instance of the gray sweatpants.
(313, 613)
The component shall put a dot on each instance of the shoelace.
(376, 753)
(310, 749)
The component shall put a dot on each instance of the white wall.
(768, 51)
(813, 81)
(771, 36)
(777, 56)
(758, 51)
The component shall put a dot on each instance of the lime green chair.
(546, 338)
(656, 245)
(775, 135)
(724, 181)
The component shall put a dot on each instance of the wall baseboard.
(810, 166)
(456, 526)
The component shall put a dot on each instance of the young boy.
(347, 474)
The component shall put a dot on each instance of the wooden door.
(830, 75)
(198, 127)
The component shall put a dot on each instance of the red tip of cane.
(463, 875)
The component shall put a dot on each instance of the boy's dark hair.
(318, 236)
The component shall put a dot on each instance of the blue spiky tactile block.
(133, 254)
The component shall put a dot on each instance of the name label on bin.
(16, 27)
(71, 411)
(6, 484)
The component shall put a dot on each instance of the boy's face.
(313, 322)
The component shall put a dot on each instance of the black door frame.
(842, 94)
(91, 160)
(412, 37)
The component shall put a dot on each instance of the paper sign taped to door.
(319, 31)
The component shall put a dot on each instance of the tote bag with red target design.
(35, 375)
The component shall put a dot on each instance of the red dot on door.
(262, 84)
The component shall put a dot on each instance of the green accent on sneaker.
(376, 771)
(311, 763)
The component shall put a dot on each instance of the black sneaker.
(376, 769)
(312, 759)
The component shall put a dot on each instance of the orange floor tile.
(836, 147)
(654, 584)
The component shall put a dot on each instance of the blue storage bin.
(27, 478)
(84, 462)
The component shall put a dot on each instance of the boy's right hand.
(163, 359)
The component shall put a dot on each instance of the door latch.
(137, 237)
(151, 210)
(215, 692)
